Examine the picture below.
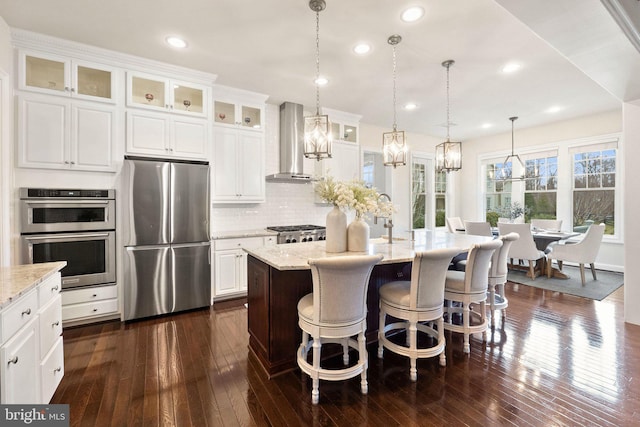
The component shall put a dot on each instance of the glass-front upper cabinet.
(230, 113)
(58, 75)
(344, 126)
(159, 93)
(238, 108)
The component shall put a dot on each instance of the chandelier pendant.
(317, 129)
(448, 153)
(394, 143)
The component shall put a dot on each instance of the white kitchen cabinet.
(169, 95)
(344, 165)
(344, 126)
(64, 76)
(237, 108)
(57, 133)
(161, 134)
(238, 166)
(31, 346)
(86, 305)
(230, 265)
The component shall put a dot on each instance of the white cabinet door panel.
(189, 137)
(93, 136)
(147, 134)
(43, 130)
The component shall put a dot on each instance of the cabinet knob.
(94, 295)
(73, 89)
(66, 162)
(66, 88)
(55, 288)
(58, 369)
(95, 309)
(27, 312)
(73, 163)
(54, 324)
(13, 360)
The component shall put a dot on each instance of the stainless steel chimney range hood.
(291, 145)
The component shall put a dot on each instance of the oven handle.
(66, 236)
(67, 202)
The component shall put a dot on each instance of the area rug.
(608, 281)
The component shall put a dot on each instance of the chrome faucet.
(388, 222)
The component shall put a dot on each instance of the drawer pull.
(27, 312)
(58, 369)
(13, 360)
(94, 295)
(95, 309)
(55, 288)
(54, 324)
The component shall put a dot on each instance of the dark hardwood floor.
(559, 360)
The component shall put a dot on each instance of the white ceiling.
(269, 47)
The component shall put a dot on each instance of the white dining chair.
(583, 252)
(498, 277)
(525, 247)
(478, 228)
(546, 224)
(334, 313)
(454, 223)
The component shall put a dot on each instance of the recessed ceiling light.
(362, 48)
(511, 67)
(412, 14)
(321, 81)
(410, 106)
(176, 42)
(554, 109)
(487, 125)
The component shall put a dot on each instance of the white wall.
(558, 134)
(632, 210)
(6, 142)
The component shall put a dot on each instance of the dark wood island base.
(273, 296)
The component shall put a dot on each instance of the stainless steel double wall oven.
(77, 226)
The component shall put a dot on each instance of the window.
(497, 191)
(541, 185)
(441, 198)
(418, 193)
(594, 188)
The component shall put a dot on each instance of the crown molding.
(624, 20)
(23, 39)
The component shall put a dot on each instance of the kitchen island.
(279, 275)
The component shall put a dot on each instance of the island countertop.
(295, 256)
(17, 280)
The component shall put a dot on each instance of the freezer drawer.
(166, 279)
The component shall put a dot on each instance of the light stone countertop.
(17, 280)
(294, 256)
(233, 234)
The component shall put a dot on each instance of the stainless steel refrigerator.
(166, 237)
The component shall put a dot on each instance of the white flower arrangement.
(353, 195)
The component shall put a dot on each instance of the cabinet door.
(345, 163)
(19, 379)
(93, 82)
(189, 137)
(43, 131)
(44, 73)
(188, 98)
(93, 136)
(227, 271)
(147, 91)
(251, 166)
(225, 173)
(147, 133)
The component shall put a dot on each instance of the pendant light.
(317, 129)
(506, 173)
(448, 153)
(394, 144)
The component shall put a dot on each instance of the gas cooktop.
(290, 228)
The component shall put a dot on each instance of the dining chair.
(546, 224)
(583, 252)
(417, 305)
(464, 290)
(481, 228)
(498, 277)
(525, 247)
(334, 313)
(454, 223)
